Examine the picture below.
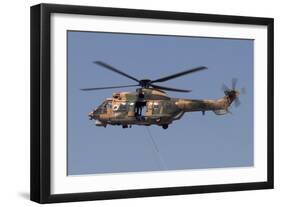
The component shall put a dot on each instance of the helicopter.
(151, 105)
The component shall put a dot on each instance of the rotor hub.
(145, 83)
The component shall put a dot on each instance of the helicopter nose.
(93, 115)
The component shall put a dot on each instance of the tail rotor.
(232, 93)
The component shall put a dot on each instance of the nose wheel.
(165, 126)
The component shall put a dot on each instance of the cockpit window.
(104, 106)
(109, 105)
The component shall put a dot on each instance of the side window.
(131, 106)
(156, 107)
(123, 107)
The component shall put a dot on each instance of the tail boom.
(191, 105)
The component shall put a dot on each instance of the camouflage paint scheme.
(149, 106)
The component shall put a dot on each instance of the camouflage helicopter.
(150, 104)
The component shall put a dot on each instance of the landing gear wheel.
(124, 126)
(165, 126)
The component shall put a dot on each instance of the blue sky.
(193, 142)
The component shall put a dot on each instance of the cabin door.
(140, 108)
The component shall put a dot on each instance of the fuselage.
(151, 107)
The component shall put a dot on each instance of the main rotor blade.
(109, 87)
(169, 89)
(234, 83)
(109, 67)
(179, 74)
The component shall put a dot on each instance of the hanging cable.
(157, 152)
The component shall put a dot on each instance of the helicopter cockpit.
(103, 108)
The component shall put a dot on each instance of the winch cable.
(156, 150)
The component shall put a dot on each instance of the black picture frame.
(40, 184)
